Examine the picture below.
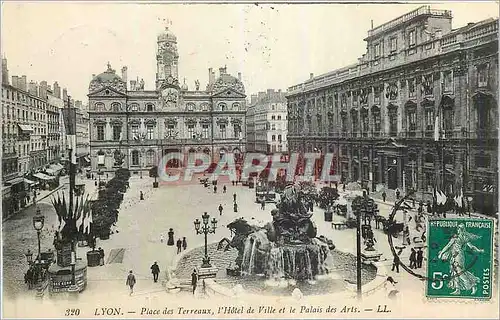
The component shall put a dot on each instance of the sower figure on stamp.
(454, 252)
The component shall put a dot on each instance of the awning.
(50, 171)
(28, 181)
(54, 169)
(25, 127)
(14, 181)
(42, 176)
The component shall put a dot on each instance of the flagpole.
(72, 157)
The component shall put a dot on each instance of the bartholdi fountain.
(286, 248)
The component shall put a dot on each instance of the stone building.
(133, 127)
(418, 110)
(82, 134)
(267, 122)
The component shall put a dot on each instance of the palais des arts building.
(131, 127)
(418, 110)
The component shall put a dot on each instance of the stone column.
(349, 158)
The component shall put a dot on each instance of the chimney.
(124, 74)
(33, 88)
(211, 76)
(23, 83)
(15, 81)
(57, 90)
(5, 71)
(239, 76)
(43, 90)
(311, 75)
(65, 94)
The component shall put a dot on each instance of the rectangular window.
(100, 132)
(448, 81)
(376, 95)
(376, 50)
(429, 119)
(222, 128)
(191, 131)
(482, 76)
(412, 88)
(393, 124)
(411, 38)
(393, 44)
(170, 130)
(135, 158)
(135, 132)
(279, 137)
(273, 137)
(237, 130)
(117, 133)
(412, 120)
(204, 131)
(150, 132)
(273, 126)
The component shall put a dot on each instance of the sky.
(274, 46)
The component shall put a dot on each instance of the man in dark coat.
(220, 209)
(420, 258)
(234, 197)
(413, 259)
(395, 263)
(235, 207)
(179, 246)
(131, 281)
(184, 243)
(194, 280)
(155, 270)
(101, 256)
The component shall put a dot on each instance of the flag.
(436, 129)
(89, 220)
(61, 225)
(441, 198)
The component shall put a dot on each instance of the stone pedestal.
(370, 256)
(206, 273)
(60, 278)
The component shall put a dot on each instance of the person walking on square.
(398, 193)
(170, 241)
(420, 258)
(384, 195)
(141, 196)
(234, 197)
(224, 189)
(131, 281)
(101, 256)
(395, 263)
(215, 189)
(235, 207)
(179, 246)
(194, 280)
(184, 243)
(220, 209)
(155, 270)
(413, 259)
(263, 204)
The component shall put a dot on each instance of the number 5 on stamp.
(460, 266)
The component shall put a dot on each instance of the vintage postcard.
(249, 160)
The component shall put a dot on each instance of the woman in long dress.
(454, 253)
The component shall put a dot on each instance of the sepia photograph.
(269, 159)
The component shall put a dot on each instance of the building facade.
(132, 127)
(267, 122)
(418, 111)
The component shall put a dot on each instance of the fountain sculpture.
(286, 248)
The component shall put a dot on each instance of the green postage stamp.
(460, 258)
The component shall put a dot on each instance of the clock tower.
(167, 58)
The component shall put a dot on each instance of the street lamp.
(205, 229)
(38, 222)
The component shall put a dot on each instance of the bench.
(338, 225)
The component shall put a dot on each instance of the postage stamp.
(460, 258)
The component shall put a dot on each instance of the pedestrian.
(184, 243)
(95, 183)
(234, 197)
(220, 209)
(413, 259)
(194, 280)
(162, 238)
(215, 189)
(224, 189)
(263, 204)
(395, 263)
(179, 245)
(406, 236)
(384, 195)
(131, 281)
(155, 270)
(232, 182)
(398, 193)
(101, 256)
(141, 196)
(170, 241)
(420, 258)
(235, 207)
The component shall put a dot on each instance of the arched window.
(116, 106)
(134, 107)
(236, 106)
(99, 106)
(222, 107)
(135, 158)
(190, 107)
(149, 107)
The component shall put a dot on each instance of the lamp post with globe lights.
(205, 229)
(38, 223)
